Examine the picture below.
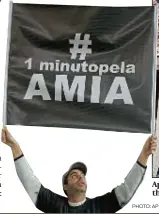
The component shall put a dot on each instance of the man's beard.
(80, 190)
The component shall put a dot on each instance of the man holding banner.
(110, 76)
(75, 185)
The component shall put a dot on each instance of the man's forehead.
(75, 171)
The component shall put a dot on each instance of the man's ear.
(65, 187)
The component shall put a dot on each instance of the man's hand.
(7, 139)
(154, 2)
(149, 148)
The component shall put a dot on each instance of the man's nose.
(81, 177)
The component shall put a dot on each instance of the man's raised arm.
(31, 184)
(126, 190)
(120, 196)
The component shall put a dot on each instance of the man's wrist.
(20, 156)
(143, 158)
(16, 151)
(140, 164)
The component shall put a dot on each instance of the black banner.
(81, 67)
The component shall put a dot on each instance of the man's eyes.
(76, 175)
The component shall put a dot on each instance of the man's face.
(76, 182)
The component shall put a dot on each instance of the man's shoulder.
(50, 194)
(105, 199)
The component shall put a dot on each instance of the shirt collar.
(72, 204)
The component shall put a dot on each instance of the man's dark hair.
(65, 183)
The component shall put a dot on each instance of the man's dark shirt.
(50, 202)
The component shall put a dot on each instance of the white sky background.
(50, 151)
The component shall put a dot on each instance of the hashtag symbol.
(83, 50)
